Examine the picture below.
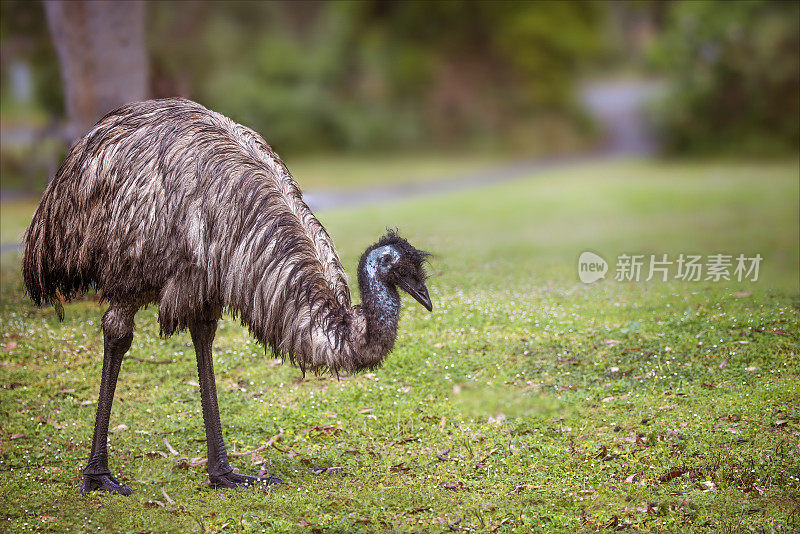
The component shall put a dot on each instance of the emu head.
(395, 262)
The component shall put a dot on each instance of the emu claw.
(107, 483)
(235, 480)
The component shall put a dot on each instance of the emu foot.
(235, 480)
(107, 483)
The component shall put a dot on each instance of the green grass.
(14, 218)
(527, 401)
(348, 172)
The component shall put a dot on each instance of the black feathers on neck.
(380, 299)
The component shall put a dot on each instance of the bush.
(735, 78)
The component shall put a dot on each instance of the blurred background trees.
(392, 76)
(378, 75)
(734, 70)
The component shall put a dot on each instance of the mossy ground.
(526, 402)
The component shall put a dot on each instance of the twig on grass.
(442, 456)
(158, 362)
(454, 525)
(169, 499)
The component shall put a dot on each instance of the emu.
(167, 202)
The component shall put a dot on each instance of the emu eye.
(385, 259)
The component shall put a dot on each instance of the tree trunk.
(101, 50)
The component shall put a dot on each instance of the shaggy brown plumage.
(167, 202)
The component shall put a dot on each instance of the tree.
(734, 75)
(101, 50)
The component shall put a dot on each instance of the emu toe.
(235, 480)
(107, 483)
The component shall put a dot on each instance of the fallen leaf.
(613, 523)
(741, 294)
(56, 425)
(675, 472)
(18, 436)
(630, 478)
(751, 368)
(119, 428)
(11, 345)
(46, 518)
(709, 485)
(780, 422)
(399, 468)
(87, 402)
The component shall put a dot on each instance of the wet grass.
(527, 401)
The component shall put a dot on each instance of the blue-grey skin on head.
(389, 264)
(377, 266)
(398, 265)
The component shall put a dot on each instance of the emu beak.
(419, 292)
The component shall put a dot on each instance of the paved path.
(328, 200)
(615, 104)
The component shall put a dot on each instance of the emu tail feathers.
(42, 284)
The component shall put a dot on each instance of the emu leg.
(220, 473)
(117, 337)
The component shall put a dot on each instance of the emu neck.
(381, 304)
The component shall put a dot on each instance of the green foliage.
(23, 32)
(735, 74)
(383, 75)
(526, 402)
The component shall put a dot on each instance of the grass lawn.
(347, 172)
(526, 402)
